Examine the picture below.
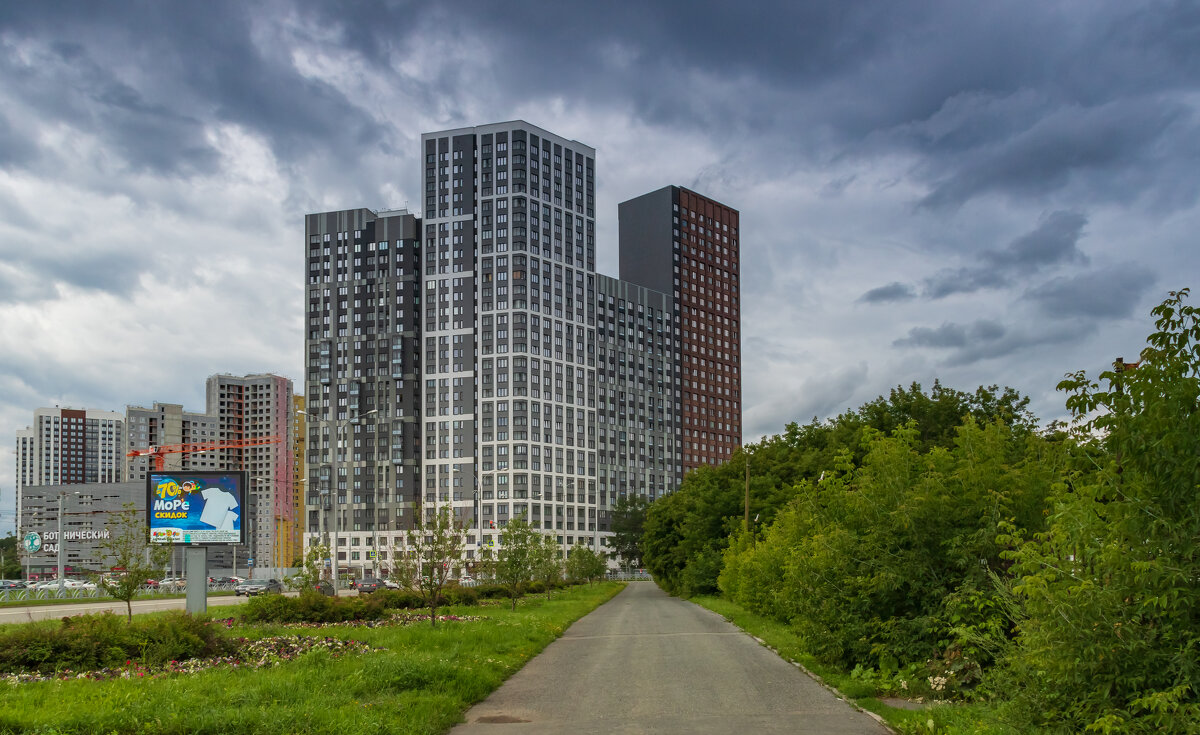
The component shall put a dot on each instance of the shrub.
(462, 596)
(490, 591)
(90, 642)
(401, 599)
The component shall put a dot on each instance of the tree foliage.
(1110, 594)
(628, 528)
(585, 565)
(547, 566)
(434, 553)
(863, 561)
(129, 549)
(517, 556)
(686, 532)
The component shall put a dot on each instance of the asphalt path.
(648, 663)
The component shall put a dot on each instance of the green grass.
(422, 683)
(947, 719)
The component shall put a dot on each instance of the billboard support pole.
(195, 564)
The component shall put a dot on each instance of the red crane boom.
(158, 452)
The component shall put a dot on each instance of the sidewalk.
(649, 663)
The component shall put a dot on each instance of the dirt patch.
(899, 703)
(500, 719)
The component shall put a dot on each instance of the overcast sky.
(977, 192)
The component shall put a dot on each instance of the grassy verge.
(947, 719)
(421, 682)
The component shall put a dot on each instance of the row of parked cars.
(48, 584)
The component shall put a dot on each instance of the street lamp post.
(61, 579)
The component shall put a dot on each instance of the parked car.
(325, 587)
(252, 587)
(67, 584)
(174, 584)
(11, 584)
(367, 585)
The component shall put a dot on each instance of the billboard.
(195, 508)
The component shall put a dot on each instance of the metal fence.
(32, 595)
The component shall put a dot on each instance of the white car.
(67, 584)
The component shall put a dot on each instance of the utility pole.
(747, 504)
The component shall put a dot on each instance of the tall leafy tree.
(129, 550)
(628, 527)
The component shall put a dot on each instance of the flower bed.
(257, 654)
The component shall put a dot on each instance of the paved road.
(648, 663)
(42, 612)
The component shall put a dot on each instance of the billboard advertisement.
(195, 508)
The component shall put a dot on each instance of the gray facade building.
(638, 385)
(164, 424)
(362, 383)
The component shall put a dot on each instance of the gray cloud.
(1110, 139)
(1053, 242)
(825, 395)
(952, 335)
(894, 291)
(1115, 292)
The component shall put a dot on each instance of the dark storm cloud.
(966, 344)
(894, 291)
(1055, 241)
(1110, 293)
(147, 78)
(1119, 139)
(952, 335)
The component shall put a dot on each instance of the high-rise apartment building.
(166, 424)
(69, 446)
(362, 382)
(523, 384)
(258, 407)
(507, 320)
(687, 245)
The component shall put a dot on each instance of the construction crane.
(159, 452)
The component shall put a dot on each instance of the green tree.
(583, 564)
(10, 560)
(434, 553)
(312, 570)
(129, 549)
(628, 528)
(515, 559)
(547, 563)
(1110, 605)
